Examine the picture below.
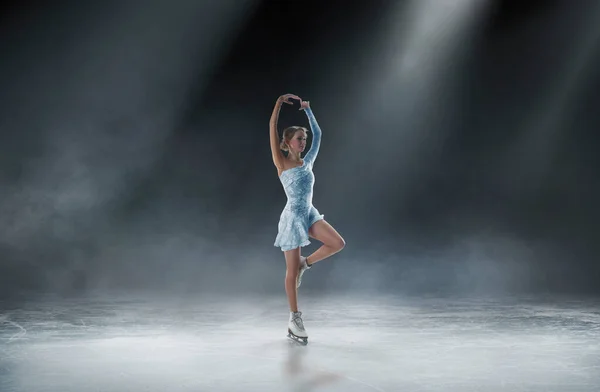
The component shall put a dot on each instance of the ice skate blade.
(297, 339)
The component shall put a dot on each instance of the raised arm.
(311, 155)
(275, 150)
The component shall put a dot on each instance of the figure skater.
(299, 219)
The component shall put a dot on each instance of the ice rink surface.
(361, 343)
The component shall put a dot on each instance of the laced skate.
(296, 329)
(303, 268)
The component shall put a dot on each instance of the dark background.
(459, 150)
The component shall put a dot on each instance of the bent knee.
(339, 244)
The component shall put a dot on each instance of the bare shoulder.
(288, 164)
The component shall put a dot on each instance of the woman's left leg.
(332, 241)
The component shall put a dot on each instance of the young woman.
(299, 219)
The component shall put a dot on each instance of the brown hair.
(288, 134)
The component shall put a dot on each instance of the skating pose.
(299, 219)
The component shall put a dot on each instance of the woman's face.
(298, 142)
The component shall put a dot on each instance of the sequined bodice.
(298, 185)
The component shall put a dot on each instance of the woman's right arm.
(275, 150)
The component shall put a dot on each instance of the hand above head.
(286, 98)
(304, 105)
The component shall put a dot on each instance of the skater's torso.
(298, 183)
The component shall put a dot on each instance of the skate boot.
(296, 330)
(303, 268)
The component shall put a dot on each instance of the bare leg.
(292, 262)
(331, 239)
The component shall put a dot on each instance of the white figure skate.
(296, 331)
(303, 268)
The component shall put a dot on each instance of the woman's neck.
(294, 157)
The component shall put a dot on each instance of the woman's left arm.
(311, 155)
